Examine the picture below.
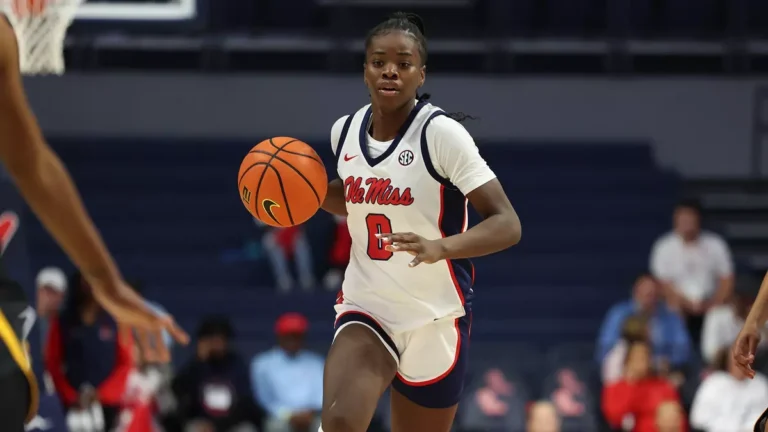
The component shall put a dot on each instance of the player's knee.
(337, 419)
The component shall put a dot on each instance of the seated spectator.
(635, 329)
(723, 323)
(543, 417)
(670, 417)
(339, 257)
(694, 267)
(282, 244)
(497, 402)
(668, 337)
(727, 400)
(288, 380)
(634, 399)
(51, 288)
(87, 358)
(212, 388)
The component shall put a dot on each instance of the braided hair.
(412, 25)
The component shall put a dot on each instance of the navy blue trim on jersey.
(452, 219)
(452, 215)
(425, 152)
(353, 316)
(343, 137)
(373, 161)
(448, 391)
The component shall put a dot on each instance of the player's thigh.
(358, 369)
(430, 381)
(14, 400)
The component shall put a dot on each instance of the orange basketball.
(282, 182)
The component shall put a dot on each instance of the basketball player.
(407, 170)
(48, 189)
(744, 348)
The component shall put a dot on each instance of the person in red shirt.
(86, 355)
(638, 395)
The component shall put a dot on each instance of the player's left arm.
(456, 157)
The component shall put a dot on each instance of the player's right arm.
(47, 187)
(334, 199)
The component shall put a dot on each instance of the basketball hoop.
(40, 27)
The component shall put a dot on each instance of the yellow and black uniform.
(18, 386)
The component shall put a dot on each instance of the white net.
(41, 26)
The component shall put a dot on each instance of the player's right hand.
(743, 351)
(131, 311)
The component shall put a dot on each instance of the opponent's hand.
(743, 351)
(131, 311)
(425, 251)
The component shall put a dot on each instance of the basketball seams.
(282, 190)
(309, 183)
(282, 149)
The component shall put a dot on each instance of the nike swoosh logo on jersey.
(348, 158)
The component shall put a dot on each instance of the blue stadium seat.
(629, 18)
(691, 18)
(757, 17)
(571, 353)
(568, 17)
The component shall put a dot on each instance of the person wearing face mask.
(212, 388)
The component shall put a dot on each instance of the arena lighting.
(177, 10)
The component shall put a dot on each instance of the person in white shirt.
(727, 401)
(693, 266)
(723, 323)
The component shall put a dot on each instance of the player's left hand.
(425, 251)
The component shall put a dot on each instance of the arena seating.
(589, 211)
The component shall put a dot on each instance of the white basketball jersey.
(400, 191)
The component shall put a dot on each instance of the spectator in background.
(727, 400)
(634, 400)
(283, 244)
(664, 329)
(670, 417)
(288, 380)
(212, 388)
(693, 266)
(543, 417)
(723, 323)
(339, 258)
(51, 283)
(635, 329)
(87, 357)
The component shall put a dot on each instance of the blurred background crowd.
(629, 135)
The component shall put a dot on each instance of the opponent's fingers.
(752, 344)
(177, 333)
(162, 354)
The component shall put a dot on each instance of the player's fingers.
(398, 237)
(416, 261)
(405, 247)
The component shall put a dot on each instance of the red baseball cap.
(291, 322)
